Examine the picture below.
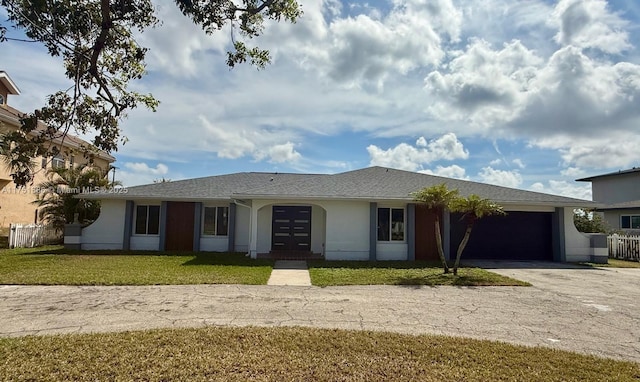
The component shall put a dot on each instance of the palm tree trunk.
(439, 244)
(461, 247)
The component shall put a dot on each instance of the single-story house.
(619, 196)
(365, 214)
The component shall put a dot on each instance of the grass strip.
(57, 266)
(292, 354)
(328, 273)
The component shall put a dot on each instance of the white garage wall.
(577, 244)
(107, 231)
(214, 243)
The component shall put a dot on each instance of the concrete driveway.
(593, 311)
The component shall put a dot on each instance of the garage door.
(516, 236)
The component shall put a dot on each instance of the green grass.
(616, 263)
(325, 273)
(292, 354)
(56, 266)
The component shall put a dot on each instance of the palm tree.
(56, 195)
(472, 208)
(437, 199)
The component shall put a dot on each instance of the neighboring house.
(365, 214)
(619, 192)
(16, 203)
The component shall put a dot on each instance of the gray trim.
(197, 225)
(231, 235)
(445, 223)
(163, 226)
(411, 231)
(373, 230)
(128, 225)
(558, 235)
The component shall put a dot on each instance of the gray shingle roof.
(633, 204)
(373, 183)
(616, 173)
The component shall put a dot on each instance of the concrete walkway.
(290, 272)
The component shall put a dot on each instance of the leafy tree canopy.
(95, 39)
(588, 221)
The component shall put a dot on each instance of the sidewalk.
(290, 272)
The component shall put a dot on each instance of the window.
(1, 99)
(216, 221)
(147, 220)
(57, 161)
(630, 221)
(390, 224)
(71, 161)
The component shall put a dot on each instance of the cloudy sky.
(530, 94)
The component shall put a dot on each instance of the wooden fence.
(32, 235)
(624, 247)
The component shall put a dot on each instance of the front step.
(291, 255)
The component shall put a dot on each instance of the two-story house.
(620, 193)
(16, 203)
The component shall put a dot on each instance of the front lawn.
(616, 263)
(325, 273)
(292, 354)
(54, 265)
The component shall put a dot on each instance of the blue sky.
(527, 94)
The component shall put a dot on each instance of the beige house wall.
(16, 204)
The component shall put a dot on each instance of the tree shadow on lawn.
(191, 258)
(374, 264)
(440, 279)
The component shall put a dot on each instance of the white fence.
(32, 235)
(624, 247)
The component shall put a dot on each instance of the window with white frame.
(630, 221)
(391, 224)
(147, 220)
(215, 221)
(57, 161)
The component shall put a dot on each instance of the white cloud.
(589, 24)
(136, 173)
(407, 157)
(453, 171)
(237, 143)
(504, 178)
(563, 188)
(573, 172)
(518, 162)
(283, 153)
(495, 162)
(617, 150)
(141, 167)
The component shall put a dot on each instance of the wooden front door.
(291, 228)
(180, 225)
(426, 248)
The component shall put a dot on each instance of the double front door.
(291, 228)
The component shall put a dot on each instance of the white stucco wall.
(107, 231)
(391, 251)
(347, 230)
(318, 220)
(577, 244)
(243, 216)
(214, 243)
(144, 243)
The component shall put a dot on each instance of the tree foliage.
(56, 197)
(437, 199)
(440, 198)
(588, 221)
(472, 208)
(96, 41)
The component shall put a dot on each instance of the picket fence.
(32, 235)
(624, 247)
